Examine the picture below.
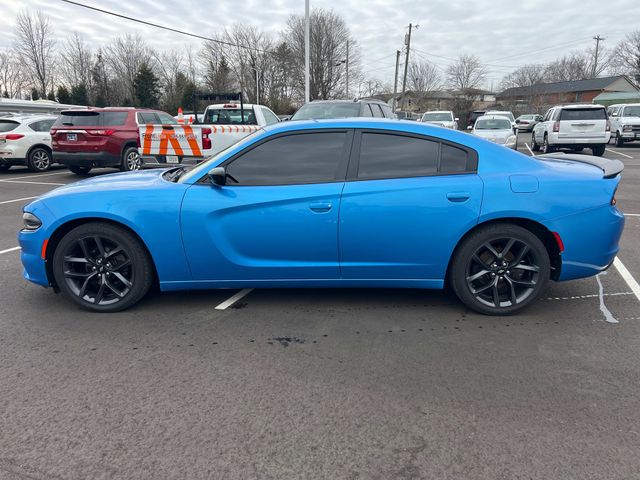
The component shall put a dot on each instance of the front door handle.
(458, 197)
(320, 207)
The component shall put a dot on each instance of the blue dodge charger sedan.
(335, 203)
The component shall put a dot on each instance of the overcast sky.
(503, 33)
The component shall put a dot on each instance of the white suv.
(573, 126)
(25, 140)
(444, 118)
(625, 122)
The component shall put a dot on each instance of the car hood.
(441, 123)
(138, 180)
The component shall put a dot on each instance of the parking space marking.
(529, 148)
(17, 200)
(231, 300)
(591, 295)
(619, 153)
(31, 183)
(632, 214)
(9, 250)
(608, 316)
(626, 275)
(66, 172)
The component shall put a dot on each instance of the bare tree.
(424, 77)
(328, 47)
(626, 55)
(35, 44)
(12, 76)
(76, 61)
(466, 73)
(124, 57)
(573, 66)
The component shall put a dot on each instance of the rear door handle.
(320, 207)
(458, 197)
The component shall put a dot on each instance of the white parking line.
(528, 148)
(9, 250)
(17, 200)
(230, 301)
(619, 153)
(31, 183)
(35, 176)
(626, 275)
(632, 214)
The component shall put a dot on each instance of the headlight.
(511, 139)
(627, 128)
(30, 222)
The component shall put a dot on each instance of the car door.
(277, 216)
(540, 128)
(407, 202)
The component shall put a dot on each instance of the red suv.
(102, 137)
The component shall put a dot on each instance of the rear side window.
(86, 119)
(453, 159)
(583, 114)
(166, 119)
(377, 111)
(7, 125)
(386, 109)
(148, 117)
(41, 126)
(395, 156)
(292, 159)
(114, 119)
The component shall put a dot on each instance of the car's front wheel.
(500, 269)
(39, 160)
(534, 145)
(619, 140)
(546, 148)
(102, 267)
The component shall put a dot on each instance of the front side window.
(269, 116)
(292, 159)
(377, 111)
(632, 111)
(385, 155)
(166, 119)
(114, 118)
(386, 109)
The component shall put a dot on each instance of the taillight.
(53, 132)
(556, 127)
(101, 132)
(613, 198)
(12, 136)
(206, 141)
(608, 125)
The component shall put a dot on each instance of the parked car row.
(25, 140)
(625, 122)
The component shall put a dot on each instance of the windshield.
(229, 116)
(327, 110)
(206, 165)
(527, 117)
(632, 111)
(493, 124)
(437, 117)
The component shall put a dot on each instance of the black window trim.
(352, 173)
(342, 170)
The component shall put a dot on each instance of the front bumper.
(31, 243)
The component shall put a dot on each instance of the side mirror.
(218, 176)
(469, 127)
(457, 119)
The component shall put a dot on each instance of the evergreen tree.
(35, 94)
(79, 95)
(51, 95)
(63, 94)
(146, 86)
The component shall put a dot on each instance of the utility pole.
(598, 39)
(395, 82)
(347, 67)
(407, 42)
(306, 51)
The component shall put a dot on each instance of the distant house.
(542, 96)
(442, 100)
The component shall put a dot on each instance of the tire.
(513, 284)
(4, 168)
(546, 148)
(131, 160)
(534, 145)
(39, 160)
(619, 140)
(102, 267)
(598, 150)
(80, 170)
(578, 149)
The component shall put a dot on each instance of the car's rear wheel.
(598, 150)
(131, 160)
(102, 267)
(534, 145)
(80, 170)
(619, 140)
(39, 160)
(4, 168)
(546, 148)
(578, 149)
(500, 269)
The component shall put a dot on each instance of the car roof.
(355, 100)
(580, 105)
(438, 111)
(493, 112)
(29, 118)
(491, 117)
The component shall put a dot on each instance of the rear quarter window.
(7, 125)
(583, 114)
(114, 119)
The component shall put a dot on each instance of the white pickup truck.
(224, 124)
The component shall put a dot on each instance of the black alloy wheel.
(500, 269)
(102, 267)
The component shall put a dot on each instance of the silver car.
(527, 122)
(444, 118)
(496, 129)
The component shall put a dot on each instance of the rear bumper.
(12, 161)
(568, 141)
(87, 159)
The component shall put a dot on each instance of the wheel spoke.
(70, 274)
(85, 251)
(496, 294)
(120, 277)
(83, 289)
(120, 266)
(526, 283)
(512, 291)
(113, 289)
(493, 251)
(484, 288)
(529, 268)
(98, 242)
(521, 254)
(477, 259)
(507, 247)
(110, 253)
(100, 294)
(475, 276)
(76, 259)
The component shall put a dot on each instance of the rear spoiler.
(610, 168)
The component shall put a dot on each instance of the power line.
(559, 45)
(163, 27)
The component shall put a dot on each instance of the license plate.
(172, 159)
(72, 137)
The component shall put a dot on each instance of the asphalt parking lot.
(354, 384)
